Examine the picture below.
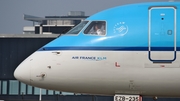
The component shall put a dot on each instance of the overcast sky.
(11, 11)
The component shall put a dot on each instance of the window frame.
(67, 33)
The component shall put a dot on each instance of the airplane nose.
(22, 73)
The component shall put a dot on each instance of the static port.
(49, 67)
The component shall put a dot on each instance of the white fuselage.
(115, 72)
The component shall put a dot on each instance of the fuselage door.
(162, 34)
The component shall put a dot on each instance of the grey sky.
(11, 11)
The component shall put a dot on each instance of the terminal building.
(14, 48)
(53, 24)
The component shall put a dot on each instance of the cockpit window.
(77, 28)
(96, 28)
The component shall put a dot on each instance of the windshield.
(77, 28)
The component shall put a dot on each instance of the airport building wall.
(13, 50)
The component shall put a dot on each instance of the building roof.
(41, 19)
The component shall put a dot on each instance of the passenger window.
(96, 28)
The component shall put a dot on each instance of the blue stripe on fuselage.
(110, 48)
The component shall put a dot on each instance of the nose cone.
(22, 73)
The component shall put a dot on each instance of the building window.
(67, 93)
(29, 89)
(50, 92)
(0, 87)
(43, 91)
(37, 91)
(23, 89)
(57, 92)
(4, 87)
(13, 87)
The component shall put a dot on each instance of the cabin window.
(77, 28)
(96, 28)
